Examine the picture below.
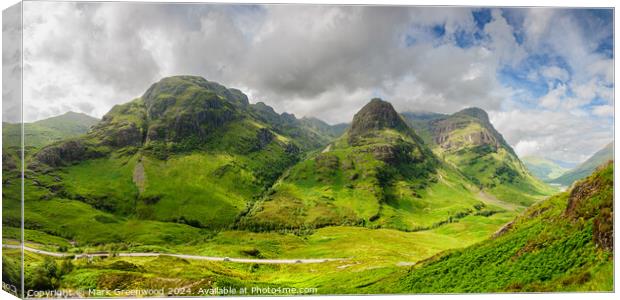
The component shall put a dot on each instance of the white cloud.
(320, 60)
(553, 98)
(553, 134)
(603, 110)
(527, 147)
(554, 72)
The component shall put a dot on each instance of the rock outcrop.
(376, 115)
(65, 153)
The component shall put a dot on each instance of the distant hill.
(586, 168)
(321, 127)
(544, 169)
(564, 164)
(40, 133)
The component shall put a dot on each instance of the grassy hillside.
(561, 244)
(188, 151)
(40, 133)
(378, 175)
(544, 169)
(586, 168)
(469, 142)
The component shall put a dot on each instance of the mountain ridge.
(189, 123)
(468, 140)
(587, 167)
(45, 131)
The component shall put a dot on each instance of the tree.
(45, 276)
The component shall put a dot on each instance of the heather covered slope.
(586, 168)
(378, 174)
(564, 243)
(468, 141)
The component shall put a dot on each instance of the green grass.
(348, 185)
(499, 173)
(67, 218)
(208, 189)
(44, 132)
(34, 236)
(550, 256)
(372, 255)
(545, 251)
(105, 183)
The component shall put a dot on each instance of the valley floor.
(364, 257)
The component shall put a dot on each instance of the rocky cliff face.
(376, 115)
(65, 153)
(468, 140)
(469, 127)
(178, 108)
(369, 126)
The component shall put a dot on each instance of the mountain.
(544, 169)
(195, 152)
(377, 174)
(40, 133)
(309, 132)
(564, 243)
(187, 151)
(323, 128)
(564, 164)
(193, 168)
(468, 141)
(587, 167)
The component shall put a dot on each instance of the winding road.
(185, 256)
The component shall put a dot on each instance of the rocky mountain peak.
(376, 115)
(475, 112)
(167, 91)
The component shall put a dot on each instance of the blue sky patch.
(482, 17)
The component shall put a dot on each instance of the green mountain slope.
(378, 174)
(564, 243)
(47, 131)
(586, 168)
(544, 169)
(468, 141)
(310, 133)
(188, 151)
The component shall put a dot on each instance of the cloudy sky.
(544, 75)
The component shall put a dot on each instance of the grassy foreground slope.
(564, 243)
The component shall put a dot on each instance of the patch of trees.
(48, 274)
